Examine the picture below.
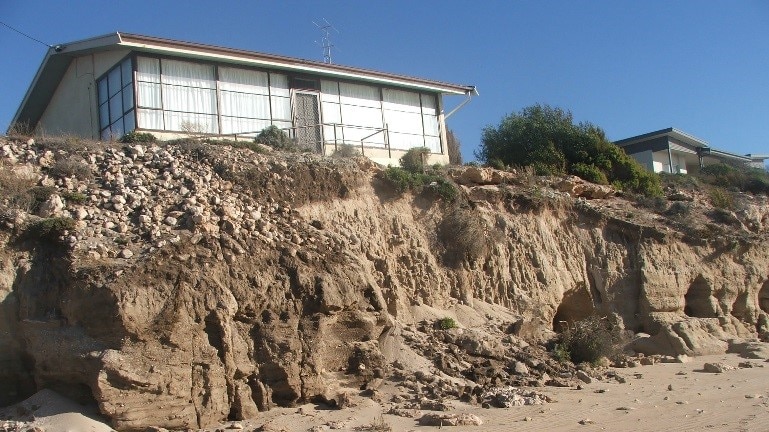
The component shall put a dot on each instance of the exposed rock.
(434, 419)
(717, 367)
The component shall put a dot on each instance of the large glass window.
(115, 96)
(185, 96)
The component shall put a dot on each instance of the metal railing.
(322, 144)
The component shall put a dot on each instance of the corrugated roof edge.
(289, 62)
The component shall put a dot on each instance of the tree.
(548, 139)
(454, 148)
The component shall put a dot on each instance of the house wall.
(72, 110)
(645, 158)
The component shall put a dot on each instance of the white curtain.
(406, 122)
(188, 74)
(428, 105)
(405, 141)
(433, 143)
(190, 122)
(279, 85)
(361, 116)
(147, 69)
(149, 95)
(399, 100)
(359, 95)
(189, 99)
(251, 127)
(150, 119)
(431, 125)
(281, 108)
(244, 105)
(243, 80)
(329, 91)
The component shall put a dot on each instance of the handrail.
(292, 131)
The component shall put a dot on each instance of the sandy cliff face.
(202, 283)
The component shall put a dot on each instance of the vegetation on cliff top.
(548, 139)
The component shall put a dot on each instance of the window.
(115, 95)
(176, 96)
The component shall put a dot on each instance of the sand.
(666, 396)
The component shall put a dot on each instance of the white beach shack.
(104, 87)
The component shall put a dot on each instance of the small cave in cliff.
(576, 305)
(763, 297)
(699, 301)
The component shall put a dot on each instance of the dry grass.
(463, 233)
(15, 189)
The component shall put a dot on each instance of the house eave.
(231, 55)
(668, 132)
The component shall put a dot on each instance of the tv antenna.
(326, 28)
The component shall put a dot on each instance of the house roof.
(58, 58)
(669, 132)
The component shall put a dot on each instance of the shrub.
(138, 137)
(276, 138)
(454, 148)
(40, 194)
(402, 181)
(415, 159)
(679, 210)
(590, 173)
(74, 197)
(590, 339)
(721, 199)
(446, 323)
(548, 139)
(464, 235)
(49, 230)
(740, 177)
(71, 167)
(15, 189)
(346, 151)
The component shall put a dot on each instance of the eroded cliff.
(198, 282)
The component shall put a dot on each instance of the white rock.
(126, 253)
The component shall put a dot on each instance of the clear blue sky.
(628, 66)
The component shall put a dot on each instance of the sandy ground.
(667, 396)
(736, 400)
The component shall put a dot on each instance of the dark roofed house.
(673, 151)
(104, 87)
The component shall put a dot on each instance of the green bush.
(273, 136)
(71, 167)
(721, 199)
(74, 197)
(739, 177)
(590, 173)
(589, 339)
(547, 139)
(138, 137)
(415, 160)
(40, 194)
(417, 182)
(49, 230)
(446, 323)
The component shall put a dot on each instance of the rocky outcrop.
(204, 282)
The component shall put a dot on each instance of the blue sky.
(628, 66)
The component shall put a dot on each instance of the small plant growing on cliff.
(138, 137)
(402, 181)
(71, 167)
(415, 160)
(346, 151)
(464, 235)
(49, 230)
(588, 340)
(273, 136)
(446, 323)
(74, 197)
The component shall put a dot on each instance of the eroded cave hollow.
(699, 301)
(576, 305)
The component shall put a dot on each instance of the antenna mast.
(326, 28)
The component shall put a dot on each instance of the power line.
(26, 35)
